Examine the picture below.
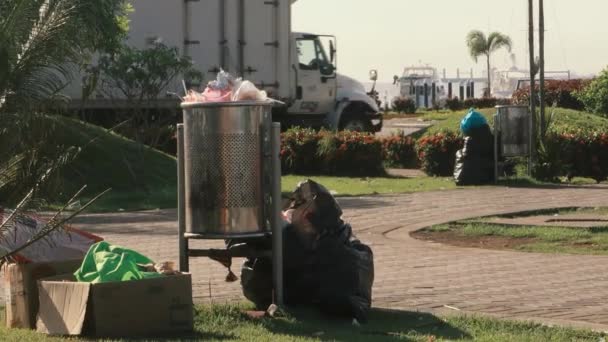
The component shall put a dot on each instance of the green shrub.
(349, 153)
(560, 92)
(299, 151)
(403, 104)
(595, 95)
(400, 151)
(305, 151)
(454, 104)
(581, 154)
(437, 152)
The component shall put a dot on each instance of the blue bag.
(471, 121)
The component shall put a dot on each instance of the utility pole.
(541, 52)
(532, 90)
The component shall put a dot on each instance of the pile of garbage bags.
(475, 161)
(323, 263)
(226, 88)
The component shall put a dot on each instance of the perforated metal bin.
(513, 125)
(226, 169)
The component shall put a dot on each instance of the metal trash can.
(226, 155)
(512, 123)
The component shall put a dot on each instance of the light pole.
(541, 53)
(532, 90)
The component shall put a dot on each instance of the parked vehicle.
(253, 39)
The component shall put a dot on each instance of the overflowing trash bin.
(475, 161)
(324, 264)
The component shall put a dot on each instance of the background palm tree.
(480, 45)
(42, 42)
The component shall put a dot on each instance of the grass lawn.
(344, 186)
(228, 323)
(136, 174)
(543, 239)
(436, 115)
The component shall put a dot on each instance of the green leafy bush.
(437, 152)
(299, 151)
(454, 104)
(141, 77)
(305, 151)
(349, 153)
(580, 154)
(595, 95)
(403, 104)
(400, 151)
(560, 92)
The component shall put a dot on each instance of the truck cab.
(322, 97)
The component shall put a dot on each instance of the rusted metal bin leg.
(277, 226)
(181, 205)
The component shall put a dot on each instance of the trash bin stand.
(276, 252)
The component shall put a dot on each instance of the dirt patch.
(488, 242)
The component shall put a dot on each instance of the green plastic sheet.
(107, 263)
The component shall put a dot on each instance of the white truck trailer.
(253, 39)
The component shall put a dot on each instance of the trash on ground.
(475, 161)
(108, 263)
(227, 88)
(59, 252)
(21, 289)
(144, 307)
(324, 264)
(116, 292)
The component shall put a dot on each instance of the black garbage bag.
(256, 281)
(314, 212)
(475, 161)
(347, 274)
(324, 265)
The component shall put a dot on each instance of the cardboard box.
(117, 309)
(21, 289)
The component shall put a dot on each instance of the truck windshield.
(311, 54)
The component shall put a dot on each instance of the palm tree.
(480, 45)
(41, 43)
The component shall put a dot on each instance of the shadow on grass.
(182, 337)
(525, 182)
(382, 325)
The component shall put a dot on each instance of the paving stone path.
(418, 275)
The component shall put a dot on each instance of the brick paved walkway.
(425, 276)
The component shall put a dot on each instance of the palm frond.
(50, 227)
(497, 40)
(42, 41)
(477, 44)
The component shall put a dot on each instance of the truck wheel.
(356, 125)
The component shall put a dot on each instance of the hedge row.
(485, 102)
(560, 92)
(580, 154)
(305, 151)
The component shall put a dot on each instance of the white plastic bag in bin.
(247, 91)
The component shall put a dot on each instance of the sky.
(389, 35)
